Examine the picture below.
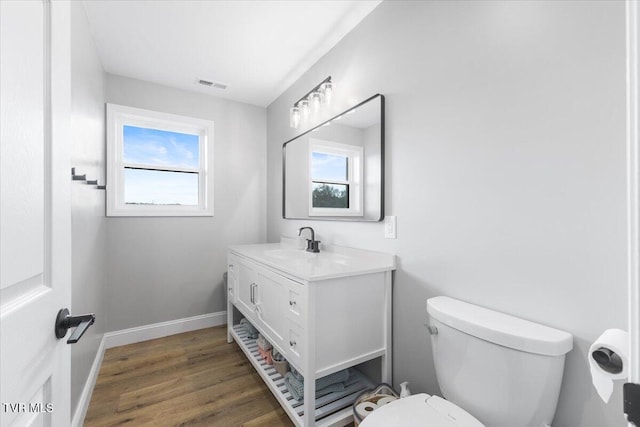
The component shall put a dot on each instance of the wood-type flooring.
(190, 379)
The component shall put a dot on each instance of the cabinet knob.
(292, 303)
(292, 343)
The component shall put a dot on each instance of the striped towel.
(325, 385)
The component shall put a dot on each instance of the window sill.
(155, 212)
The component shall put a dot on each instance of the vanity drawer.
(295, 345)
(297, 303)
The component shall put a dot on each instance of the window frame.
(354, 181)
(119, 116)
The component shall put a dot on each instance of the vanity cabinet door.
(246, 288)
(271, 306)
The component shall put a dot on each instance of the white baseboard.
(87, 391)
(163, 329)
(134, 335)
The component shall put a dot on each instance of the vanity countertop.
(332, 262)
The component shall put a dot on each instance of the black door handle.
(64, 321)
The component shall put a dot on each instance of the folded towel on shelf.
(335, 378)
(263, 343)
(325, 385)
(249, 329)
(330, 389)
(297, 374)
(294, 385)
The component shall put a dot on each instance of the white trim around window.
(119, 116)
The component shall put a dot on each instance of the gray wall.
(505, 167)
(87, 203)
(161, 269)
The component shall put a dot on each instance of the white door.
(633, 153)
(35, 239)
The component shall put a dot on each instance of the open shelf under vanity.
(328, 408)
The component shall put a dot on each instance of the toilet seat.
(420, 410)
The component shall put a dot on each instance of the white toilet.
(494, 369)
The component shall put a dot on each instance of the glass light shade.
(304, 108)
(327, 91)
(314, 100)
(294, 117)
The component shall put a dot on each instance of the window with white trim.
(158, 164)
(335, 178)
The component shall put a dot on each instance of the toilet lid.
(420, 410)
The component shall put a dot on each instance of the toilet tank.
(503, 370)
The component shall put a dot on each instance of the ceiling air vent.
(209, 83)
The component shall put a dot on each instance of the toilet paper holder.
(608, 360)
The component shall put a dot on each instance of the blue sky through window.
(329, 167)
(159, 147)
(148, 187)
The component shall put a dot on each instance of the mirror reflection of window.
(330, 195)
(329, 180)
(332, 167)
(335, 178)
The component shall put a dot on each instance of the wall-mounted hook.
(76, 177)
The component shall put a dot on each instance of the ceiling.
(256, 48)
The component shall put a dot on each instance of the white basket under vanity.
(324, 312)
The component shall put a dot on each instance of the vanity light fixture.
(326, 89)
(315, 101)
(304, 109)
(294, 117)
(312, 101)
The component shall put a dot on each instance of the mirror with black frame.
(335, 171)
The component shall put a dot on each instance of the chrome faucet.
(313, 245)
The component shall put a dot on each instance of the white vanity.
(323, 311)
